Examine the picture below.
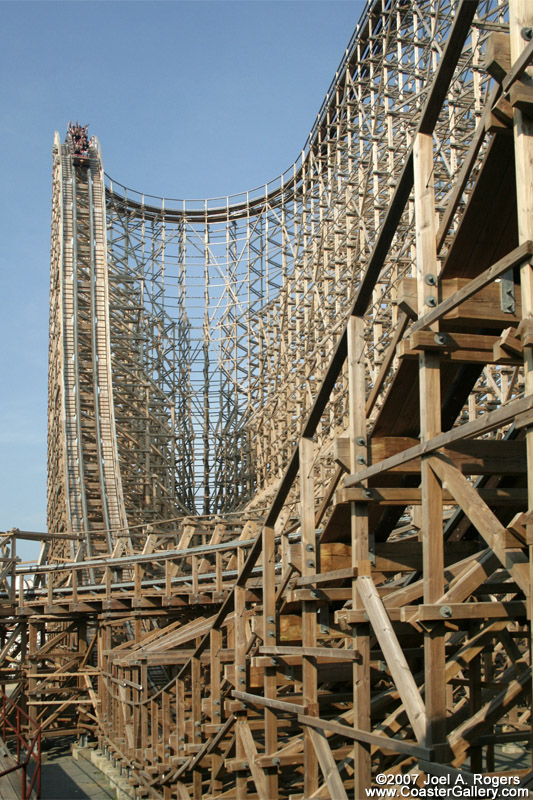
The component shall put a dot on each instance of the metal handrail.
(23, 746)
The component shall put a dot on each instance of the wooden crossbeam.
(484, 520)
(481, 425)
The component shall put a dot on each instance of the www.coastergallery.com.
(488, 787)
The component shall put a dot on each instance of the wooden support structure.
(312, 566)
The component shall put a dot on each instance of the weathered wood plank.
(327, 764)
(488, 525)
(401, 674)
(484, 424)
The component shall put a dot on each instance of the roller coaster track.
(289, 431)
(94, 504)
(221, 309)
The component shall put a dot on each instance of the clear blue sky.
(189, 99)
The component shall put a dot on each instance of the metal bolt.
(527, 34)
(276, 761)
(360, 441)
(367, 493)
(440, 338)
(271, 619)
(360, 460)
(274, 662)
(446, 612)
(309, 548)
(431, 301)
(430, 280)
(310, 563)
(242, 680)
(271, 633)
(241, 668)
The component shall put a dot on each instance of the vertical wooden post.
(240, 675)
(168, 578)
(21, 591)
(12, 547)
(165, 727)
(74, 588)
(137, 581)
(309, 566)
(218, 573)
(196, 691)
(360, 549)
(50, 589)
(430, 425)
(82, 649)
(474, 687)
(180, 715)
(520, 21)
(154, 739)
(216, 700)
(33, 629)
(103, 697)
(195, 587)
(269, 638)
(108, 579)
(143, 698)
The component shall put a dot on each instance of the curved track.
(336, 370)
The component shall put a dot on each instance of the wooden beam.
(520, 255)
(245, 734)
(392, 652)
(378, 740)
(484, 424)
(327, 764)
(484, 520)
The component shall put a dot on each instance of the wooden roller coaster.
(289, 538)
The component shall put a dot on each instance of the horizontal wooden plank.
(412, 496)
(336, 653)
(481, 610)
(327, 577)
(470, 289)
(276, 705)
(482, 308)
(298, 595)
(476, 457)
(484, 424)
(460, 347)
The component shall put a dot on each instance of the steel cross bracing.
(288, 444)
